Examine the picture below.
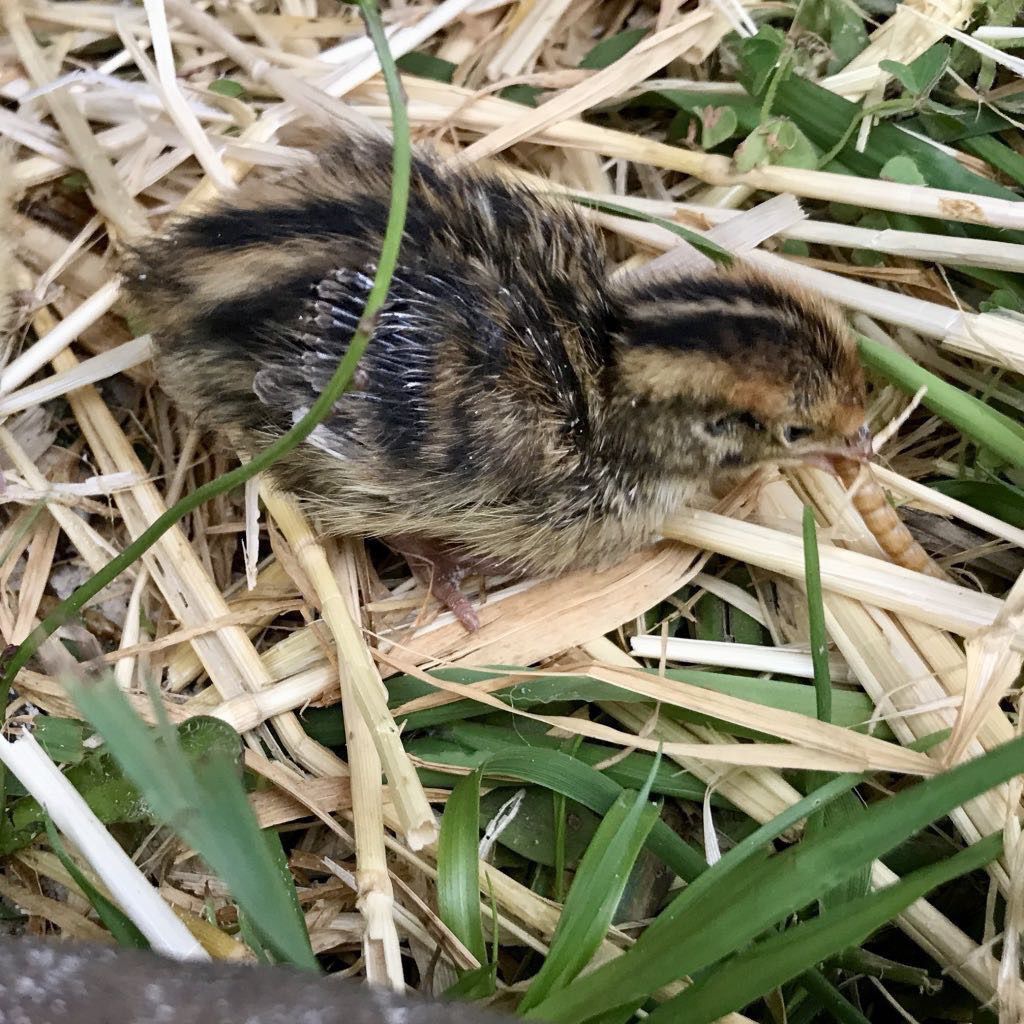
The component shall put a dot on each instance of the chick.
(515, 412)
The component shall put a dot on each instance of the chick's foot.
(440, 569)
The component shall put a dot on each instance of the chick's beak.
(859, 445)
(856, 448)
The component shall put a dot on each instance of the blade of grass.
(736, 911)
(700, 242)
(983, 425)
(629, 773)
(117, 923)
(458, 885)
(595, 893)
(564, 774)
(782, 956)
(829, 997)
(208, 808)
(816, 617)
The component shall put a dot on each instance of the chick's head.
(732, 370)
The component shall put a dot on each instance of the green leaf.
(948, 124)
(533, 833)
(458, 886)
(776, 141)
(595, 893)
(76, 181)
(521, 93)
(111, 796)
(866, 258)
(929, 67)
(426, 65)
(773, 961)
(843, 812)
(62, 738)
(852, 709)
(797, 247)
(207, 806)
(226, 87)
(753, 151)
(609, 50)
(901, 72)
(717, 125)
(845, 809)
(748, 113)
(118, 923)
(999, 155)
(1001, 298)
(629, 772)
(847, 35)
(478, 983)
(760, 55)
(286, 884)
(816, 618)
(903, 170)
(829, 998)
(561, 773)
(733, 908)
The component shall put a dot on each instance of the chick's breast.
(476, 409)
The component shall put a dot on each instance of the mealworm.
(883, 521)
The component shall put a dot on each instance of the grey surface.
(68, 983)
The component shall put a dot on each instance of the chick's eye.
(793, 434)
(750, 421)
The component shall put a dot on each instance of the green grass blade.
(733, 908)
(594, 895)
(564, 774)
(114, 919)
(984, 426)
(478, 983)
(849, 709)
(208, 808)
(629, 773)
(775, 960)
(458, 873)
(828, 996)
(846, 808)
(816, 617)
(1000, 156)
(609, 50)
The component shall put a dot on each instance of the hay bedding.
(118, 116)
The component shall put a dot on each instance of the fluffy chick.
(514, 410)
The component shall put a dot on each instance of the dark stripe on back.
(232, 325)
(709, 332)
(721, 289)
(237, 229)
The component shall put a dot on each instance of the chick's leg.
(441, 570)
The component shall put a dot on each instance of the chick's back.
(475, 418)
